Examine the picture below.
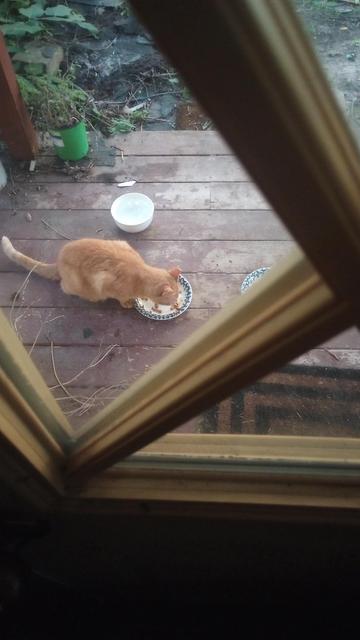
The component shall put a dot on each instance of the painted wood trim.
(285, 313)
(289, 108)
(289, 313)
(186, 490)
(36, 430)
(246, 448)
(16, 128)
(31, 463)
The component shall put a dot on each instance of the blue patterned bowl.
(164, 312)
(253, 277)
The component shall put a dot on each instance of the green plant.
(121, 125)
(54, 102)
(22, 18)
(127, 123)
(139, 116)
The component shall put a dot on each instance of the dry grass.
(79, 404)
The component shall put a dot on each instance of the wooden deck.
(209, 218)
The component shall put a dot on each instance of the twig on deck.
(42, 324)
(19, 291)
(60, 384)
(37, 335)
(119, 149)
(62, 235)
(85, 402)
(94, 363)
(333, 355)
(96, 399)
(19, 317)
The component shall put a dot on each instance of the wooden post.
(16, 128)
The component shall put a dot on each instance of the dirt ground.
(124, 66)
(334, 29)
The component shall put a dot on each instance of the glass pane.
(316, 395)
(334, 29)
(210, 219)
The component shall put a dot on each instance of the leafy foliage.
(121, 125)
(54, 102)
(20, 29)
(127, 123)
(38, 15)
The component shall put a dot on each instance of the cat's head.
(167, 291)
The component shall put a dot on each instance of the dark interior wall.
(140, 571)
(193, 554)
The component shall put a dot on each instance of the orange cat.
(100, 269)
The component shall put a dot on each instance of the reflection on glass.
(334, 29)
(317, 395)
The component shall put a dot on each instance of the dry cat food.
(156, 311)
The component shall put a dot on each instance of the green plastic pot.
(71, 143)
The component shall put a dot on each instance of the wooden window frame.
(315, 189)
(15, 125)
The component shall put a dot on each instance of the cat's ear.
(166, 290)
(175, 272)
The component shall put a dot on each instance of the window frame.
(317, 187)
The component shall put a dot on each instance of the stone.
(50, 56)
(129, 25)
(340, 97)
(155, 110)
(144, 39)
(3, 177)
(167, 105)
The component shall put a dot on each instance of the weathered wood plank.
(101, 324)
(125, 364)
(294, 384)
(210, 290)
(78, 413)
(192, 256)
(337, 359)
(142, 169)
(167, 225)
(122, 366)
(179, 196)
(177, 143)
(200, 143)
(96, 326)
(165, 143)
(236, 195)
(349, 339)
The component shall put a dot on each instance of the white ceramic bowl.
(132, 212)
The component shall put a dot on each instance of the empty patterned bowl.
(253, 277)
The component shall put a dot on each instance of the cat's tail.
(41, 268)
